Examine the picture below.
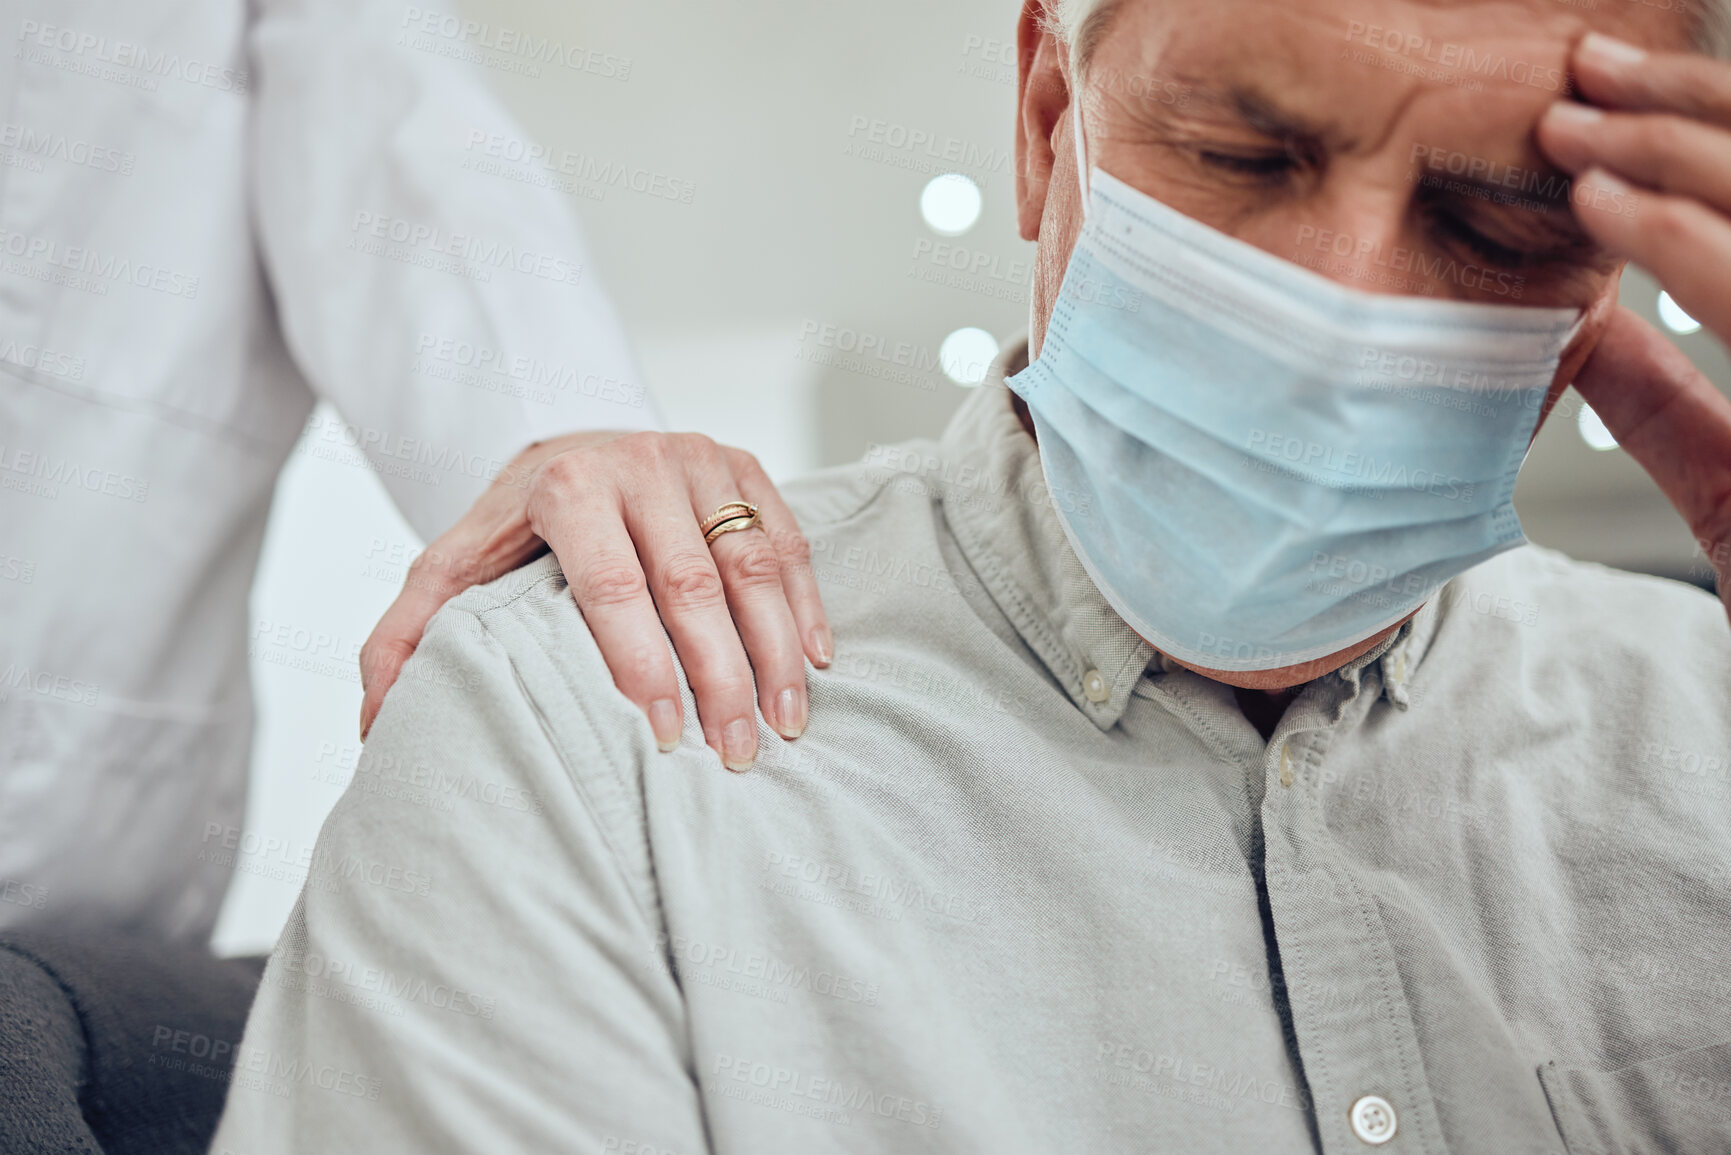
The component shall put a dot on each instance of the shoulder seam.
(850, 511)
(641, 886)
(507, 598)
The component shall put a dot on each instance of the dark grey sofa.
(115, 1044)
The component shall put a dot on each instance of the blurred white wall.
(779, 151)
(334, 557)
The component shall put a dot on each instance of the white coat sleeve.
(451, 315)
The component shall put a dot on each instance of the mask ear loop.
(1082, 173)
(1082, 179)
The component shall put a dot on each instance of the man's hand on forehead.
(1651, 149)
(1653, 131)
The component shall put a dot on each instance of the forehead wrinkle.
(1585, 18)
(1538, 15)
(1264, 112)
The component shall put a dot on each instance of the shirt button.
(1373, 1120)
(1094, 685)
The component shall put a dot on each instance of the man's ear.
(1042, 103)
(1593, 325)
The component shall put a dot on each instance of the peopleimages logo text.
(414, 235)
(1463, 58)
(126, 54)
(515, 42)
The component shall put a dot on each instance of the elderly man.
(1203, 768)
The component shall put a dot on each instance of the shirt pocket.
(1678, 1104)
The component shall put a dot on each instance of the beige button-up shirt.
(1023, 886)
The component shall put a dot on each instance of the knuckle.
(1661, 134)
(752, 563)
(1703, 95)
(1664, 144)
(643, 669)
(642, 451)
(1667, 224)
(609, 583)
(778, 663)
(692, 447)
(744, 464)
(691, 582)
(794, 548)
(575, 481)
(558, 481)
(723, 683)
(559, 473)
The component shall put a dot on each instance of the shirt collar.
(1000, 509)
(998, 506)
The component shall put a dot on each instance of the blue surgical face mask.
(1263, 467)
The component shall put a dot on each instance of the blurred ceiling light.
(1593, 430)
(967, 355)
(1675, 318)
(951, 204)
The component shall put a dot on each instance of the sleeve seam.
(640, 885)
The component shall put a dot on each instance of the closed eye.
(1263, 166)
(1454, 228)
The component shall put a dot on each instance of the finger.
(1669, 154)
(1670, 419)
(584, 524)
(394, 639)
(750, 571)
(798, 580)
(1683, 243)
(692, 599)
(1620, 75)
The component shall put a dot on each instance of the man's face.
(1386, 144)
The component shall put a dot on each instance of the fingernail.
(823, 642)
(739, 745)
(664, 720)
(1612, 51)
(790, 713)
(1574, 114)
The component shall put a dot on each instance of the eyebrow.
(1253, 107)
(1262, 114)
(1541, 192)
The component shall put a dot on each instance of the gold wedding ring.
(729, 518)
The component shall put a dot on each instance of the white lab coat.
(211, 214)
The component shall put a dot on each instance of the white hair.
(1080, 23)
